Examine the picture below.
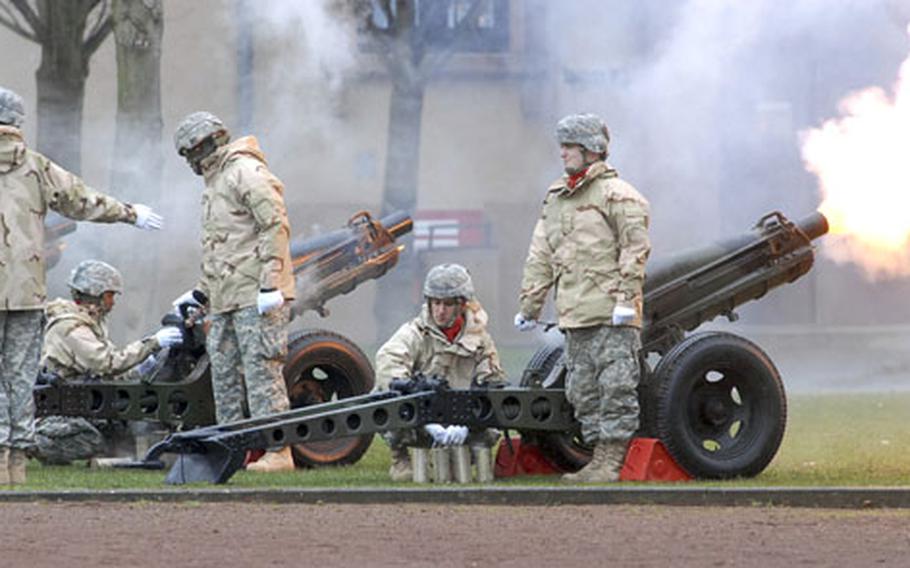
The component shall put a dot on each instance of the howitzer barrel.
(336, 263)
(814, 225)
(693, 287)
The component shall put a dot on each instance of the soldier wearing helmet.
(32, 184)
(246, 273)
(448, 339)
(590, 246)
(77, 345)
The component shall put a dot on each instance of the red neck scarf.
(576, 177)
(453, 330)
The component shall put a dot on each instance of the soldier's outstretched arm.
(67, 194)
(103, 357)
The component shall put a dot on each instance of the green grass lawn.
(831, 440)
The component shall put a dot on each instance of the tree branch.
(98, 36)
(32, 19)
(8, 21)
(103, 15)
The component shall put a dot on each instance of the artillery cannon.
(321, 365)
(715, 400)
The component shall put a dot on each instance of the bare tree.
(69, 32)
(416, 39)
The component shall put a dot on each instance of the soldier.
(31, 185)
(77, 345)
(590, 245)
(246, 273)
(448, 339)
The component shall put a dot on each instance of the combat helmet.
(587, 130)
(448, 281)
(12, 109)
(198, 135)
(93, 278)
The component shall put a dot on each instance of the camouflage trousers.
(21, 335)
(247, 352)
(603, 375)
(60, 440)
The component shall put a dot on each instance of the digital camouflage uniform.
(591, 244)
(31, 184)
(77, 345)
(245, 249)
(420, 348)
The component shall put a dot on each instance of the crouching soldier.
(448, 339)
(77, 346)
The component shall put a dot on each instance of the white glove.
(146, 218)
(185, 298)
(437, 432)
(268, 301)
(168, 336)
(523, 323)
(456, 435)
(623, 315)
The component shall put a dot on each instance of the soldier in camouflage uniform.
(448, 339)
(31, 184)
(76, 344)
(590, 245)
(246, 273)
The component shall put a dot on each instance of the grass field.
(831, 440)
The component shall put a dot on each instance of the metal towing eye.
(214, 453)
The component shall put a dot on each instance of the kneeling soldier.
(448, 339)
(77, 345)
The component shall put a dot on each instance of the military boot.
(604, 466)
(401, 469)
(4, 465)
(17, 459)
(273, 462)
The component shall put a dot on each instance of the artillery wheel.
(322, 366)
(565, 449)
(721, 408)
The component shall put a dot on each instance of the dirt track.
(236, 534)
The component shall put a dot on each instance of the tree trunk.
(136, 168)
(61, 83)
(399, 290)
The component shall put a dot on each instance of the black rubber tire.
(322, 366)
(721, 406)
(566, 450)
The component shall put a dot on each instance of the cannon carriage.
(715, 400)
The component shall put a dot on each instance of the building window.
(487, 33)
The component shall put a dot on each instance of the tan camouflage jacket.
(30, 184)
(76, 343)
(419, 347)
(245, 229)
(590, 244)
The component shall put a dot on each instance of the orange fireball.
(862, 161)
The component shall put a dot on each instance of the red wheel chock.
(646, 460)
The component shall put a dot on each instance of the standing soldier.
(449, 339)
(31, 184)
(591, 245)
(246, 273)
(76, 344)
